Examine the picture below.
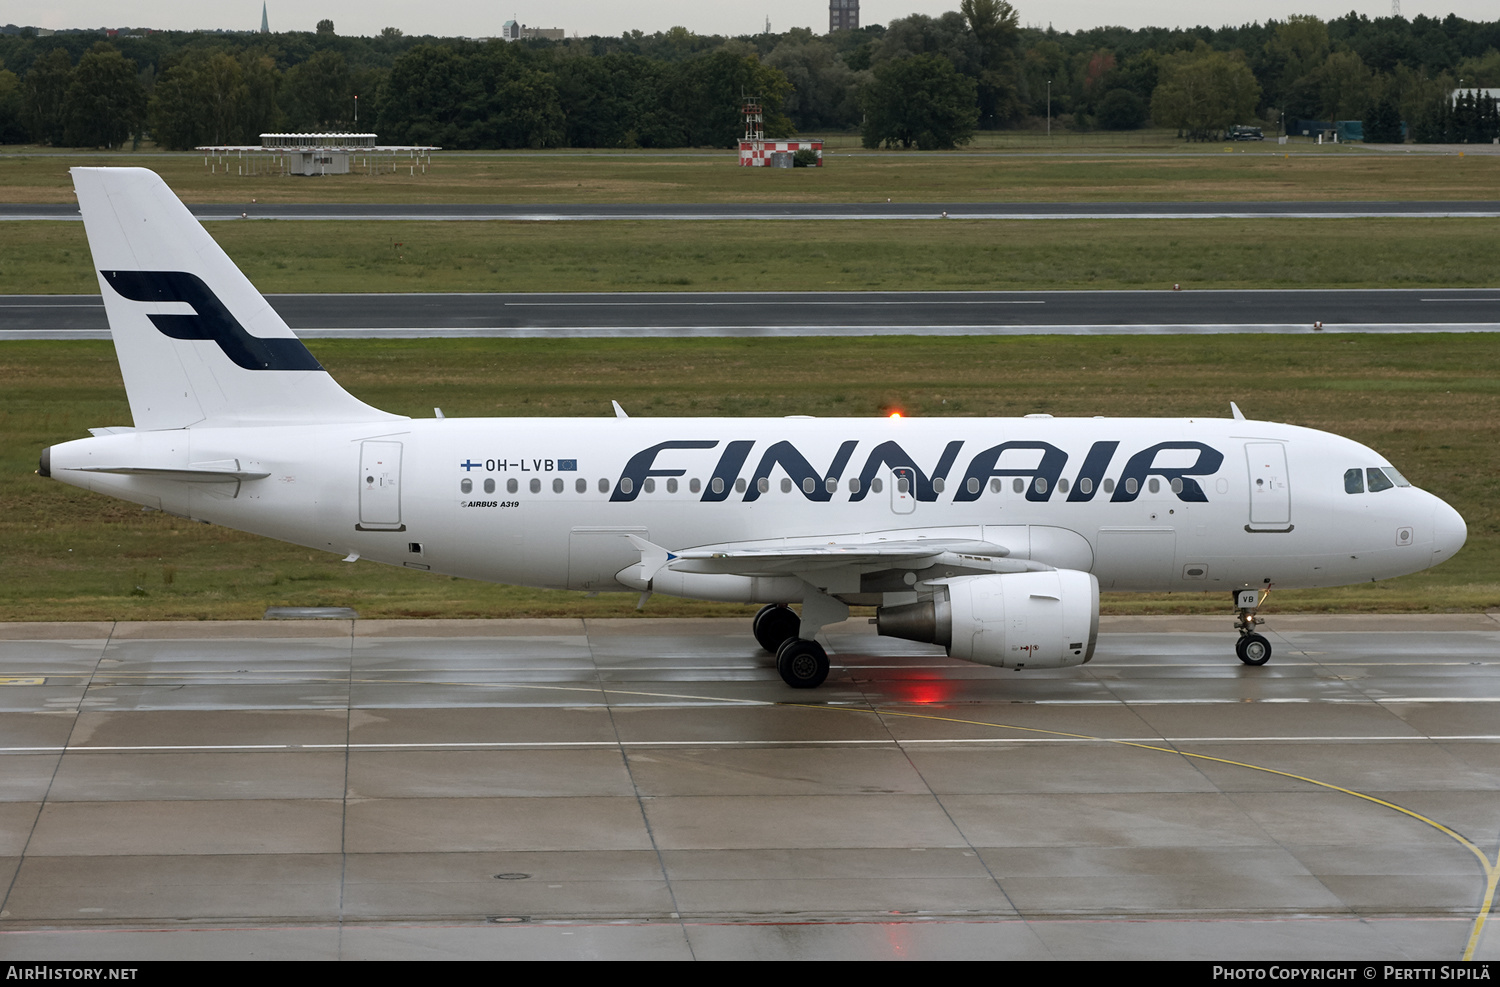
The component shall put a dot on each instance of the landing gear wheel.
(1253, 649)
(773, 625)
(802, 664)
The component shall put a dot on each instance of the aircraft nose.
(1449, 532)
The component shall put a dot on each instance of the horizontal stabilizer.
(194, 473)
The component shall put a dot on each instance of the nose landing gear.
(1252, 648)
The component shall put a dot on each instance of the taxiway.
(643, 788)
(853, 313)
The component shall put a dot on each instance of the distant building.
(513, 31)
(317, 154)
(778, 154)
(265, 25)
(843, 15)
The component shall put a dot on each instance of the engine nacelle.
(1013, 620)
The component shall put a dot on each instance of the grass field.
(1092, 168)
(827, 256)
(1431, 404)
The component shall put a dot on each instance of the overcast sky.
(482, 18)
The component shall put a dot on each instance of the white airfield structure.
(991, 537)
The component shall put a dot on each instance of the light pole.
(1049, 109)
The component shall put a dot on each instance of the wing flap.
(770, 560)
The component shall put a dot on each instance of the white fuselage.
(1144, 504)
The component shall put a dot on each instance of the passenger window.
(1041, 484)
(739, 485)
(1109, 486)
(1177, 484)
(1154, 485)
(510, 486)
(995, 485)
(557, 485)
(467, 486)
(876, 485)
(763, 485)
(582, 486)
(626, 485)
(1377, 480)
(1131, 485)
(1018, 485)
(854, 484)
(938, 483)
(830, 484)
(1354, 481)
(650, 485)
(717, 485)
(903, 485)
(489, 486)
(672, 485)
(603, 485)
(786, 485)
(1086, 485)
(694, 485)
(973, 484)
(536, 486)
(1062, 486)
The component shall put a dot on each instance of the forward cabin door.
(380, 486)
(1270, 491)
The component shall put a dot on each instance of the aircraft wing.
(754, 560)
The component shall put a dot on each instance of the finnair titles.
(991, 537)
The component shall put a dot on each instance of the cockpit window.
(1401, 481)
(1354, 481)
(1378, 480)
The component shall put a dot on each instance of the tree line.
(919, 82)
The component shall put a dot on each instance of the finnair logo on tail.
(211, 320)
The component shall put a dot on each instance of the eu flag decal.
(567, 466)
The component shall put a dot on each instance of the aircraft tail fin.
(197, 344)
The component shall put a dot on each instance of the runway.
(674, 314)
(655, 212)
(643, 788)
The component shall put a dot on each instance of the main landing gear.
(802, 664)
(1252, 648)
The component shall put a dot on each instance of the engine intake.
(1012, 620)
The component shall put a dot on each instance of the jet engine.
(1014, 620)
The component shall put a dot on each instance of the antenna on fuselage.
(1239, 415)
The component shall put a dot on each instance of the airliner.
(990, 537)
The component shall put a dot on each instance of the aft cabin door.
(380, 487)
(1270, 493)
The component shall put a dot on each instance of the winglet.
(1239, 415)
(619, 411)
